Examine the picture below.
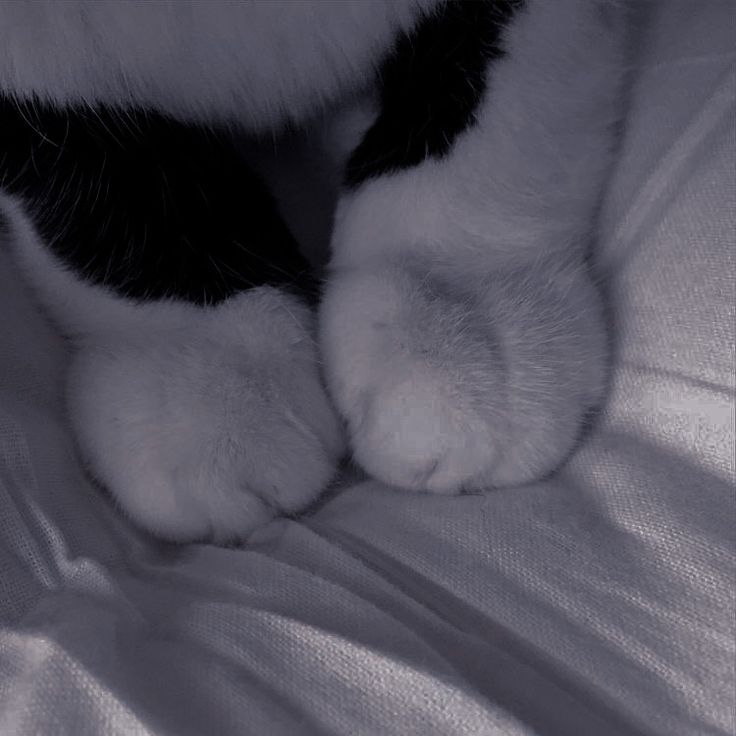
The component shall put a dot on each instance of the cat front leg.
(195, 391)
(462, 330)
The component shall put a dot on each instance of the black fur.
(153, 208)
(431, 86)
(147, 206)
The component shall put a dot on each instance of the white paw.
(208, 431)
(457, 383)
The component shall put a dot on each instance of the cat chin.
(259, 64)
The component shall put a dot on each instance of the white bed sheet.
(601, 602)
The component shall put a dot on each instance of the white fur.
(202, 423)
(210, 429)
(79, 308)
(254, 62)
(463, 338)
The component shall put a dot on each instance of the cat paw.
(450, 384)
(206, 432)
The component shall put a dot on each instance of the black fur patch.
(431, 86)
(147, 206)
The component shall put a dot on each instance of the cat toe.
(205, 434)
(446, 389)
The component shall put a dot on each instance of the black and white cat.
(458, 331)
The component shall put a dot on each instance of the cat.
(457, 339)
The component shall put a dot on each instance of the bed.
(600, 601)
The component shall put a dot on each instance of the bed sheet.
(599, 602)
